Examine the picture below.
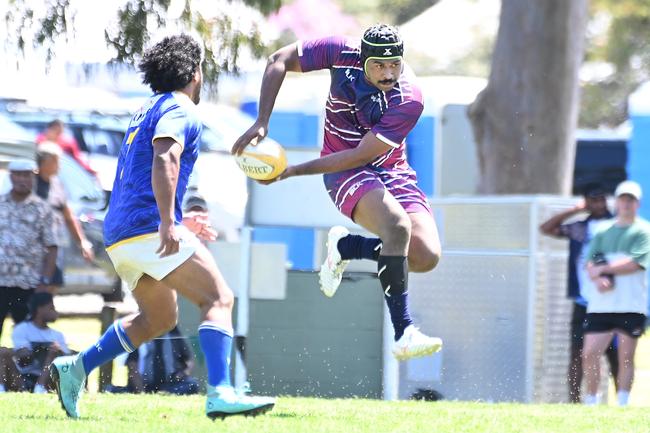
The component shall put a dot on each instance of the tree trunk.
(524, 120)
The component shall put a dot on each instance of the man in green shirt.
(619, 255)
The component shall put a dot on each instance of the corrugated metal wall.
(310, 345)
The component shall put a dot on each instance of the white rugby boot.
(414, 344)
(331, 271)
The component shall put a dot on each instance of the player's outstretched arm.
(279, 63)
(164, 177)
(367, 151)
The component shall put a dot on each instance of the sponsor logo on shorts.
(354, 188)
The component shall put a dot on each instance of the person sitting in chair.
(36, 344)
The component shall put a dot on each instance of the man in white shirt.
(36, 344)
(617, 298)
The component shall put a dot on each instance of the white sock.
(39, 389)
(2, 388)
(623, 397)
(591, 399)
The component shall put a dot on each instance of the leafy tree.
(623, 46)
(136, 19)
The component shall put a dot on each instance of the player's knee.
(162, 323)
(424, 260)
(225, 300)
(166, 323)
(398, 233)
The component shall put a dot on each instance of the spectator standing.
(579, 233)
(49, 188)
(619, 256)
(28, 245)
(54, 132)
(36, 344)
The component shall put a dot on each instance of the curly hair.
(382, 34)
(171, 63)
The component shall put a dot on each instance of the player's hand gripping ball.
(265, 160)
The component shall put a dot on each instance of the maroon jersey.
(354, 106)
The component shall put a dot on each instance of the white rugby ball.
(265, 160)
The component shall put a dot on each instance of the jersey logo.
(376, 98)
(348, 75)
(142, 112)
(132, 135)
(387, 52)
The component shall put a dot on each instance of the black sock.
(393, 275)
(359, 247)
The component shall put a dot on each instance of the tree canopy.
(621, 50)
(43, 24)
(616, 39)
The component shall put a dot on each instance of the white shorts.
(137, 256)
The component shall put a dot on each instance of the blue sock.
(216, 344)
(393, 275)
(359, 247)
(114, 342)
(399, 314)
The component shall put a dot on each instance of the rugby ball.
(265, 160)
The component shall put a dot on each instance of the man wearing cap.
(617, 297)
(579, 233)
(374, 102)
(27, 243)
(36, 344)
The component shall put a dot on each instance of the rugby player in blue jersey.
(154, 254)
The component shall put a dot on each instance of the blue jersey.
(132, 209)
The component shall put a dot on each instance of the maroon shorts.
(346, 188)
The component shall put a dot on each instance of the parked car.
(15, 141)
(99, 135)
(216, 176)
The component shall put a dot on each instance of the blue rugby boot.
(69, 377)
(225, 401)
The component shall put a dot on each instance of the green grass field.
(22, 412)
(148, 413)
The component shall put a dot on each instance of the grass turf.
(156, 413)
